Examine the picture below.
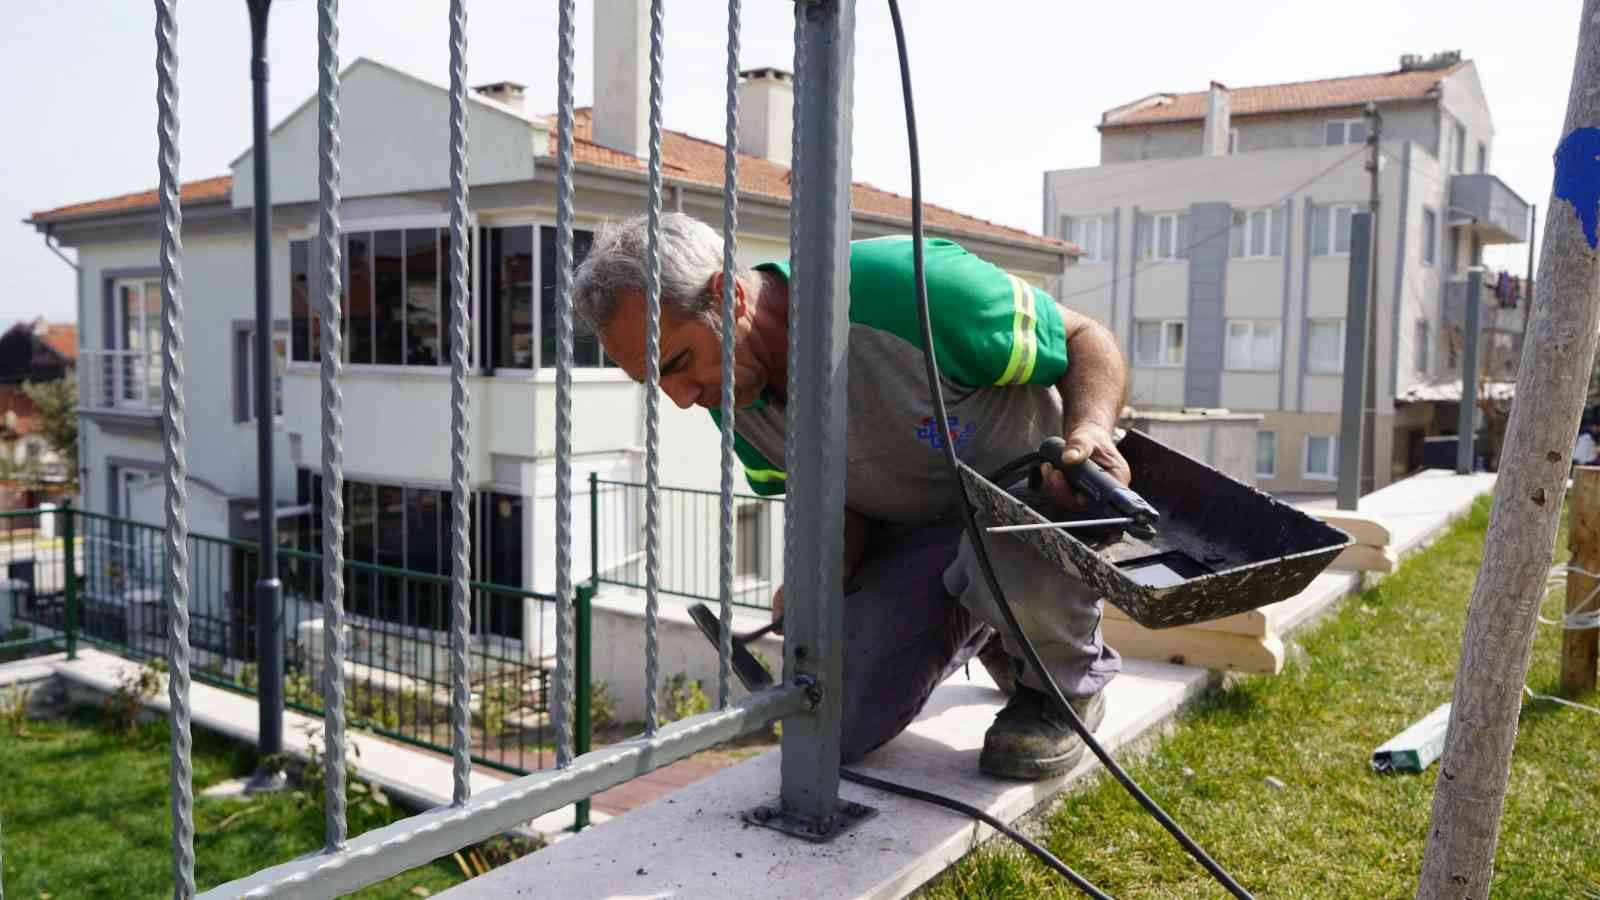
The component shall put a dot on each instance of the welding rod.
(1040, 526)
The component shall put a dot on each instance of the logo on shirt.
(958, 434)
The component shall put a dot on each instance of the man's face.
(691, 354)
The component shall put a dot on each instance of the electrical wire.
(1045, 856)
(969, 515)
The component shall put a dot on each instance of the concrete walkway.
(693, 844)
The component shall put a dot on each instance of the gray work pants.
(918, 609)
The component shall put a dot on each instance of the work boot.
(1031, 739)
(1002, 668)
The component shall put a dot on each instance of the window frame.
(1228, 363)
(1276, 221)
(1166, 326)
(1422, 355)
(1311, 363)
(1331, 234)
(441, 226)
(123, 375)
(1333, 458)
(1150, 252)
(1079, 223)
(1345, 126)
(1273, 437)
(1458, 160)
(1233, 141)
(1430, 236)
(243, 357)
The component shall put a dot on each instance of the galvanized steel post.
(1466, 425)
(814, 450)
(1357, 348)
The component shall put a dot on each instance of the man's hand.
(777, 607)
(1086, 440)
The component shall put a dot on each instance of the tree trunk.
(1551, 384)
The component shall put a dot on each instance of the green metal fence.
(397, 643)
(689, 552)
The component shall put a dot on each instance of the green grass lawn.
(85, 813)
(1335, 829)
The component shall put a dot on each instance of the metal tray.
(1221, 547)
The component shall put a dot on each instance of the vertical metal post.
(460, 423)
(329, 294)
(69, 569)
(269, 590)
(727, 405)
(1357, 349)
(652, 384)
(1466, 425)
(564, 704)
(581, 726)
(174, 450)
(817, 389)
(594, 530)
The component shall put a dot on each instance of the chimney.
(621, 75)
(506, 93)
(766, 114)
(1218, 122)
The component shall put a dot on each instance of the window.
(1461, 148)
(1233, 141)
(1430, 236)
(1322, 457)
(1092, 234)
(244, 370)
(395, 303)
(409, 528)
(1423, 351)
(1252, 345)
(136, 342)
(32, 451)
(1325, 347)
(1159, 343)
(586, 351)
(1330, 229)
(1162, 236)
(1266, 454)
(1258, 233)
(1346, 131)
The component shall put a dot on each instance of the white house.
(396, 382)
(1215, 234)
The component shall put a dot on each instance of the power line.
(1140, 267)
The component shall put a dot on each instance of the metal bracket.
(846, 816)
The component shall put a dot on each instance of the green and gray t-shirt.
(1001, 346)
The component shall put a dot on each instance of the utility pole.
(1552, 379)
(269, 590)
(1369, 421)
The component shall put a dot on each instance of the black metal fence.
(397, 643)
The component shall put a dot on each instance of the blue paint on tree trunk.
(1578, 179)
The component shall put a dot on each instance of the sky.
(1003, 95)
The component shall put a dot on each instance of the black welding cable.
(1045, 856)
(969, 516)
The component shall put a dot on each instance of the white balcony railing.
(120, 379)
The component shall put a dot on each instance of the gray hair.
(691, 252)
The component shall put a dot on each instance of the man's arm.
(1092, 395)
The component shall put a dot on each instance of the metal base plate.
(846, 815)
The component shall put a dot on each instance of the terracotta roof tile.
(684, 158)
(62, 338)
(701, 161)
(1298, 96)
(207, 190)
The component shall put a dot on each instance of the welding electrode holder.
(1088, 479)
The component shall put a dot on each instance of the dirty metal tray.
(1221, 546)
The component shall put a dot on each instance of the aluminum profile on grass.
(808, 697)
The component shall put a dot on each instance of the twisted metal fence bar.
(730, 225)
(652, 385)
(815, 437)
(174, 443)
(565, 691)
(332, 333)
(460, 541)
